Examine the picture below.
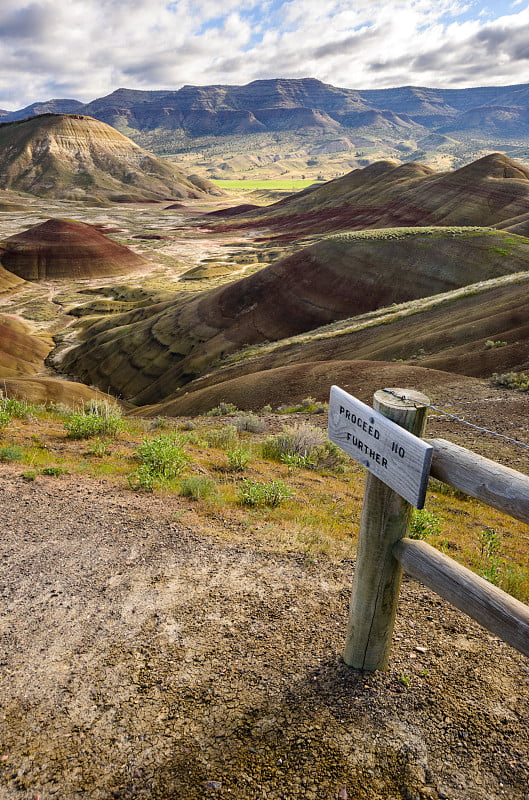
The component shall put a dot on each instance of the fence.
(384, 551)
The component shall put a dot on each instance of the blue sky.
(84, 49)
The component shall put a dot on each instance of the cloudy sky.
(85, 49)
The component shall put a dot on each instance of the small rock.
(216, 785)
(342, 794)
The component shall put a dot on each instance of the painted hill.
(65, 249)
(440, 342)
(21, 353)
(78, 158)
(488, 191)
(22, 364)
(147, 355)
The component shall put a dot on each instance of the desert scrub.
(20, 409)
(222, 438)
(249, 423)
(5, 419)
(198, 487)
(403, 232)
(308, 406)
(304, 445)
(222, 410)
(255, 494)
(96, 419)
(10, 453)
(492, 345)
(511, 380)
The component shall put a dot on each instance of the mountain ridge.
(189, 107)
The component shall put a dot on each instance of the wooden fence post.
(385, 520)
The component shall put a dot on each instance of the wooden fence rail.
(384, 550)
(491, 607)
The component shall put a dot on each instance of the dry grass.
(321, 519)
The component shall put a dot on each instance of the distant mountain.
(78, 158)
(48, 107)
(295, 104)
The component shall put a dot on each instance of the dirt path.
(145, 659)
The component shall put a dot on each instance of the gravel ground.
(145, 659)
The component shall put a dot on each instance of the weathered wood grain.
(385, 520)
(496, 610)
(498, 486)
(387, 450)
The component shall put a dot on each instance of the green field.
(277, 184)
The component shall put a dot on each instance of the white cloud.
(88, 48)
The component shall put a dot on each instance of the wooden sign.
(395, 456)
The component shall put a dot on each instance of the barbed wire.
(456, 418)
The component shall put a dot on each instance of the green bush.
(307, 406)
(163, 456)
(222, 410)
(98, 418)
(198, 487)
(222, 438)
(142, 479)
(252, 493)
(20, 409)
(424, 523)
(10, 453)
(250, 423)
(238, 459)
(304, 445)
(511, 380)
(5, 419)
(55, 471)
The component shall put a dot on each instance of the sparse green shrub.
(20, 409)
(511, 380)
(198, 487)
(10, 453)
(250, 423)
(142, 479)
(299, 440)
(161, 423)
(307, 406)
(222, 410)
(252, 493)
(99, 448)
(304, 445)
(424, 523)
(5, 419)
(54, 471)
(492, 565)
(188, 425)
(29, 475)
(238, 459)
(163, 456)
(222, 438)
(491, 345)
(293, 460)
(98, 418)
(266, 409)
